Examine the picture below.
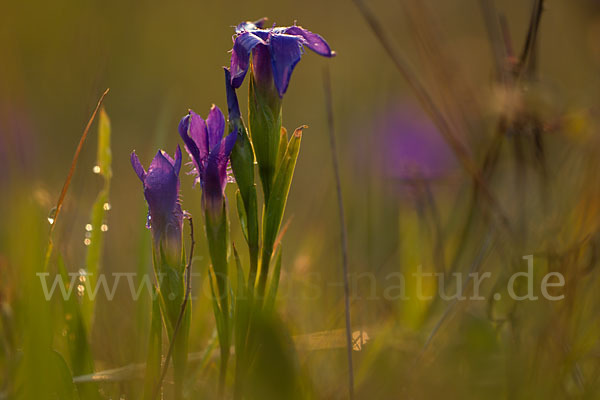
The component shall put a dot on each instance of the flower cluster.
(272, 54)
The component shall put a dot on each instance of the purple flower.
(161, 189)
(209, 152)
(411, 145)
(275, 51)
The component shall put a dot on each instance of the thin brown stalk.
(67, 183)
(343, 232)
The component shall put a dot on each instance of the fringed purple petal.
(262, 66)
(250, 26)
(190, 145)
(216, 126)
(168, 157)
(199, 134)
(160, 186)
(137, 166)
(232, 101)
(312, 40)
(286, 51)
(214, 178)
(177, 164)
(228, 145)
(240, 56)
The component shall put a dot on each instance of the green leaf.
(281, 189)
(94, 237)
(104, 155)
(60, 378)
(80, 353)
(276, 205)
(217, 233)
(242, 214)
(274, 285)
(283, 141)
(153, 359)
(221, 319)
(242, 308)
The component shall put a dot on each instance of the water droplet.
(52, 215)
(80, 290)
(64, 332)
(87, 241)
(107, 206)
(103, 227)
(96, 169)
(88, 227)
(149, 221)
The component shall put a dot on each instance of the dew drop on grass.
(80, 290)
(88, 227)
(87, 241)
(96, 169)
(51, 215)
(149, 221)
(103, 227)
(107, 206)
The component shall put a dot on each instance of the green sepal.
(264, 110)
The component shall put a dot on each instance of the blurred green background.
(161, 58)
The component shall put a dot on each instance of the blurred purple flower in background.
(275, 51)
(161, 189)
(209, 152)
(411, 146)
(18, 147)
